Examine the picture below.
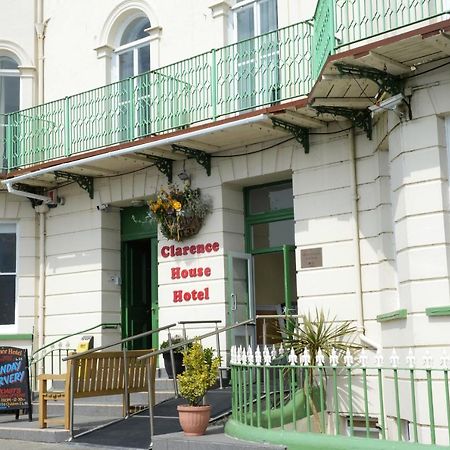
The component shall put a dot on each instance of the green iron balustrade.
(338, 23)
(342, 394)
(260, 71)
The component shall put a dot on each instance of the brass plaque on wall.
(311, 257)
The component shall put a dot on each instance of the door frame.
(135, 226)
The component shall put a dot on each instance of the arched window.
(133, 52)
(9, 85)
(9, 99)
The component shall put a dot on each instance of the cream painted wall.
(19, 211)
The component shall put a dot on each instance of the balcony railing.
(348, 395)
(264, 70)
(338, 23)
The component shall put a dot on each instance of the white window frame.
(135, 45)
(255, 6)
(8, 227)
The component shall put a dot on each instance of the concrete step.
(214, 439)
(106, 406)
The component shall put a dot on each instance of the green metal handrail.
(36, 356)
(259, 71)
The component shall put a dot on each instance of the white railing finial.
(320, 358)
(363, 358)
(348, 359)
(411, 359)
(292, 358)
(258, 356)
(394, 359)
(334, 358)
(250, 356)
(379, 358)
(444, 360)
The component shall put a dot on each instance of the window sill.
(16, 337)
(434, 311)
(399, 314)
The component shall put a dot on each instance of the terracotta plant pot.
(194, 419)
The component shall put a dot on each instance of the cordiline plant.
(317, 331)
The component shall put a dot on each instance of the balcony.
(267, 70)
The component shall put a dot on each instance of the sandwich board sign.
(14, 381)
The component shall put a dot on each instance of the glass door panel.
(240, 297)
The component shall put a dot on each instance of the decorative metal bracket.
(203, 158)
(85, 182)
(385, 81)
(164, 165)
(301, 134)
(33, 190)
(361, 118)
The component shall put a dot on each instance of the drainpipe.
(42, 211)
(26, 194)
(356, 245)
(40, 27)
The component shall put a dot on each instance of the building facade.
(324, 158)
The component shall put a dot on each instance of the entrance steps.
(106, 406)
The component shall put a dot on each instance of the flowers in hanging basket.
(179, 212)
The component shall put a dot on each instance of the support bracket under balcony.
(165, 166)
(85, 182)
(361, 118)
(34, 190)
(203, 158)
(301, 134)
(384, 80)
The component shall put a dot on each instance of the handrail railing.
(103, 325)
(125, 373)
(41, 354)
(245, 75)
(342, 23)
(147, 357)
(339, 393)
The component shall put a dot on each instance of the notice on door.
(14, 379)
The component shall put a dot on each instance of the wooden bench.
(95, 374)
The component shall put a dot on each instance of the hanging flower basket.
(179, 212)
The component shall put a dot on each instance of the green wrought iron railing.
(338, 23)
(342, 395)
(3, 163)
(260, 71)
(264, 70)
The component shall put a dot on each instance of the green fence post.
(214, 84)
(67, 137)
(8, 139)
(131, 109)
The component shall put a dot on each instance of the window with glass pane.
(7, 274)
(257, 61)
(9, 98)
(273, 234)
(271, 198)
(133, 59)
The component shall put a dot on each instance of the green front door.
(139, 277)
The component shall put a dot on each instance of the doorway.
(139, 302)
(262, 281)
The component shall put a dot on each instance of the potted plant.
(177, 357)
(179, 212)
(199, 375)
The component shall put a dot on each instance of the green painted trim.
(316, 441)
(399, 314)
(433, 311)
(16, 337)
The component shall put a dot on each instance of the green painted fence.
(261, 71)
(338, 23)
(284, 393)
(264, 70)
